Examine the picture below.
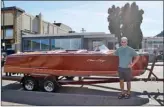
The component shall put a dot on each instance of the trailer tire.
(50, 85)
(29, 83)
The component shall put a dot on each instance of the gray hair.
(124, 39)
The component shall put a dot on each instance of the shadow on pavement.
(71, 96)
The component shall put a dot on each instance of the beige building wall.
(9, 21)
(48, 28)
(35, 24)
(9, 18)
(40, 23)
(66, 28)
(61, 31)
(51, 29)
(30, 23)
(55, 30)
(45, 27)
(26, 22)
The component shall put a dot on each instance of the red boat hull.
(69, 64)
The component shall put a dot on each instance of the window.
(67, 44)
(55, 44)
(9, 32)
(27, 45)
(8, 47)
(150, 42)
(110, 45)
(75, 44)
(96, 43)
(35, 44)
(44, 44)
(52, 44)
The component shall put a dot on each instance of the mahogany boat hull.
(68, 64)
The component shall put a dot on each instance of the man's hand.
(130, 65)
(134, 62)
(110, 52)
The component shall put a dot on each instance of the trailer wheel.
(50, 85)
(30, 84)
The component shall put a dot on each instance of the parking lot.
(143, 93)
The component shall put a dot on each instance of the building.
(69, 41)
(15, 22)
(152, 43)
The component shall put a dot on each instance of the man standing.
(125, 54)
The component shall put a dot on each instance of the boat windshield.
(102, 49)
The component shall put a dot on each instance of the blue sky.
(92, 15)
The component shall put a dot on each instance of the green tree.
(127, 23)
(136, 35)
(114, 21)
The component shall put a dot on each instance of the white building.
(152, 43)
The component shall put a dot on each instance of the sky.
(92, 15)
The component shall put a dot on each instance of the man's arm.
(110, 53)
(136, 57)
(113, 53)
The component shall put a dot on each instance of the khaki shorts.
(125, 74)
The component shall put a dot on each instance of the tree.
(126, 22)
(160, 34)
(114, 21)
(136, 20)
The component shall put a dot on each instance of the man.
(125, 54)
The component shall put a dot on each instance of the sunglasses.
(123, 42)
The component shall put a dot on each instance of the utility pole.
(4, 32)
(83, 30)
(3, 24)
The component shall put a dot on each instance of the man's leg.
(129, 77)
(121, 77)
(128, 87)
(122, 86)
(128, 80)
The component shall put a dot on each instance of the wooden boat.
(69, 63)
